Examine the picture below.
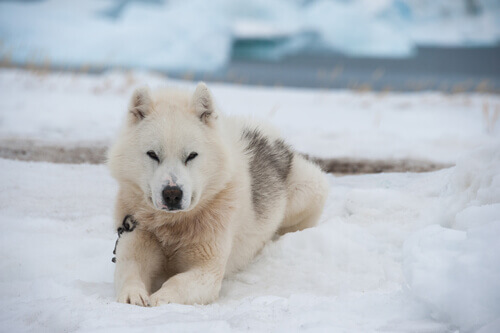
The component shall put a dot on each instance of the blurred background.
(405, 89)
(381, 45)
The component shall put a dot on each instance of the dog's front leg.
(200, 283)
(139, 260)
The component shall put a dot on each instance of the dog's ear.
(202, 104)
(141, 104)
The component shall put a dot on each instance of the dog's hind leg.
(306, 195)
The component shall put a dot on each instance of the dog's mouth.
(169, 210)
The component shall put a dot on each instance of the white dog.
(200, 194)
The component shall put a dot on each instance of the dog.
(199, 196)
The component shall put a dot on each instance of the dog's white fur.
(182, 256)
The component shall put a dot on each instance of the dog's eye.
(153, 155)
(191, 157)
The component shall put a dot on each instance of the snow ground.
(393, 252)
(66, 108)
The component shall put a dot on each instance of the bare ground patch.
(353, 166)
(28, 150)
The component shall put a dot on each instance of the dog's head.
(170, 148)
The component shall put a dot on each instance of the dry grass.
(490, 120)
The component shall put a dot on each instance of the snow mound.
(455, 267)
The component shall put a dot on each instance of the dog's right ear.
(202, 104)
(140, 105)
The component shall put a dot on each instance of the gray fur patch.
(270, 164)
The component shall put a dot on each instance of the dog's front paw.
(134, 295)
(162, 297)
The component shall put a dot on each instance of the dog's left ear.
(202, 104)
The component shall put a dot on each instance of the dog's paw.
(134, 295)
(162, 297)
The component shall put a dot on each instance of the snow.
(199, 35)
(385, 256)
(393, 252)
(66, 108)
(461, 281)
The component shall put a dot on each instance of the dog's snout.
(172, 197)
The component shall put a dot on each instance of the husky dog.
(203, 192)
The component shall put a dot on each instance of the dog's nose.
(172, 196)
